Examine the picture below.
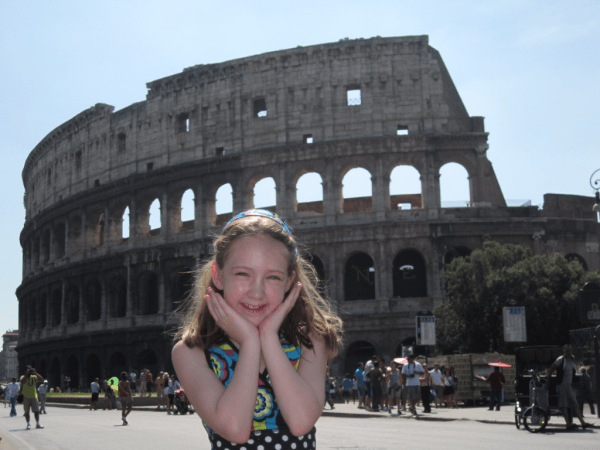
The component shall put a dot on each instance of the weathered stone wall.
(87, 288)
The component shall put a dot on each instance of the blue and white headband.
(262, 213)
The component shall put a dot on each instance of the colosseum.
(97, 298)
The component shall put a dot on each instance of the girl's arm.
(228, 411)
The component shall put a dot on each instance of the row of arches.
(95, 227)
(77, 373)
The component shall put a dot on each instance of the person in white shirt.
(42, 391)
(95, 392)
(13, 389)
(410, 373)
(171, 387)
(436, 384)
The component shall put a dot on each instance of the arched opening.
(309, 193)
(223, 207)
(43, 311)
(118, 297)
(75, 235)
(405, 188)
(43, 368)
(575, 257)
(36, 252)
(95, 228)
(359, 277)
(125, 224)
(118, 228)
(147, 360)
(59, 241)
(72, 305)
(46, 246)
(117, 364)
(30, 314)
(409, 275)
(454, 186)
(56, 308)
(72, 373)
(54, 380)
(154, 219)
(357, 191)
(456, 252)
(265, 194)
(358, 352)
(148, 293)
(188, 210)
(93, 369)
(93, 301)
(320, 271)
(182, 283)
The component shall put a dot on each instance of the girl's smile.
(254, 278)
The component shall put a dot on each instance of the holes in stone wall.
(154, 219)
(43, 310)
(75, 235)
(59, 241)
(183, 123)
(93, 301)
(223, 207)
(307, 139)
(95, 228)
(402, 130)
(125, 218)
(357, 191)
(121, 142)
(220, 151)
(405, 188)
(454, 186)
(353, 96)
(259, 106)
(56, 308)
(359, 277)
(147, 293)
(409, 275)
(188, 210)
(456, 252)
(309, 193)
(118, 297)
(265, 195)
(72, 305)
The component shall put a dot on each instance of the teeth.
(253, 309)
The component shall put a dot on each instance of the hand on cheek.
(238, 328)
(273, 321)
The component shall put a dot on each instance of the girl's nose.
(256, 289)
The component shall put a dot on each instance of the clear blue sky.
(530, 67)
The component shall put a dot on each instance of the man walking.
(359, 376)
(42, 391)
(29, 390)
(95, 393)
(496, 380)
(375, 376)
(436, 384)
(585, 391)
(425, 381)
(410, 373)
(565, 371)
(160, 391)
(13, 389)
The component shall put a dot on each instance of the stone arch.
(117, 363)
(147, 293)
(459, 251)
(72, 371)
(262, 192)
(143, 215)
(219, 208)
(154, 217)
(46, 246)
(575, 257)
(406, 190)
(182, 283)
(454, 185)
(118, 297)
(43, 310)
(43, 367)
(409, 274)
(187, 214)
(359, 277)
(72, 304)
(147, 359)
(56, 308)
(308, 198)
(59, 240)
(356, 193)
(93, 301)
(95, 228)
(118, 227)
(358, 352)
(31, 314)
(75, 234)
(93, 369)
(55, 373)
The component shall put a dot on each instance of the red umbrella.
(499, 364)
(401, 361)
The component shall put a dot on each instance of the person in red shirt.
(496, 380)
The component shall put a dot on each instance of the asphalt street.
(77, 429)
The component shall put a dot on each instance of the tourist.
(394, 388)
(95, 389)
(359, 376)
(29, 383)
(125, 397)
(436, 384)
(410, 375)
(256, 297)
(143, 385)
(585, 391)
(13, 389)
(160, 391)
(448, 383)
(425, 380)
(42, 391)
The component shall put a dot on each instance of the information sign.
(515, 329)
(425, 330)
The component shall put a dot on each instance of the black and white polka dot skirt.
(268, 440)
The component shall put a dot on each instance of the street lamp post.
(595, 183)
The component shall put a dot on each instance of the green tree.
(480, 285)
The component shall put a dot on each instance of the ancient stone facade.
(95, 301)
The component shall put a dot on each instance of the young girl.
(256, 339)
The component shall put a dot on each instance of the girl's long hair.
(311, 314)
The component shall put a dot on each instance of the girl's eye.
(242, 274)
(274, 277)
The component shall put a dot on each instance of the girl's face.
(254, 278)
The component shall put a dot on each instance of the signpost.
(515, 329)
(425, 330)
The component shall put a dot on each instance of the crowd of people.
(402, 385)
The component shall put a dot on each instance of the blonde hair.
(311, 314)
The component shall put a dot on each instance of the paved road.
(80, 429)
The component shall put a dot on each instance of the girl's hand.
(238, 328)
(273, 321)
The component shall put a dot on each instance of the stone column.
(199, 212)
(103, 299)
(332, 191)
(67, 248)
(164, 214)
(82, 304)
(162, 304)
(84, 239)
(381, 192)
(63, 304)
(130, 311)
